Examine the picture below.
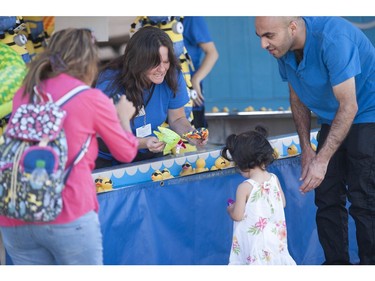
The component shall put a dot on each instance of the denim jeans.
(2, 251)
(76, 243)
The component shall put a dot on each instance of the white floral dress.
(261, 238)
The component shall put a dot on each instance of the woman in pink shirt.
(74, 237)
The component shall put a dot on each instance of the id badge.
(143, 131)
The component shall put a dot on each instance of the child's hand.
(230, 201)
(230, 205)
(230, 209)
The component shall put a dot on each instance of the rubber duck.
(220, 163)
(313, 146)
(157, 176)
(187, 169)
(276, 153)
(249, 109)
(166, 174)
(292, 150)
(103, 184)
(200, 165)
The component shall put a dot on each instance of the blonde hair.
(71, 51)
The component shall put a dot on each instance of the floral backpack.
(35, 135)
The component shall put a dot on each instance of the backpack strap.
(78, 157)
(75, 91)
(60, 102)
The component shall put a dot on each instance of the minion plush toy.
(12, 34)
(174, 27)
(36, 34)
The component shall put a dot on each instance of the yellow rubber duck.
(166, 174)
(276, 153)
(313, 146)
(220, 163)
(292, 150)
(157, 176)
(103, 184)
(187, 169)
(200, 165)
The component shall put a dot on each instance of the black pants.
(350, 175)
(199, 120)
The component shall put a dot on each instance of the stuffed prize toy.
(171, 139)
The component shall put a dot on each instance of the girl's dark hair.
(142, 54)
(249, 149)
(71, 51)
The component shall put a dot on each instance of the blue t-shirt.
(157, 108)
(195, 32)
(334, 51)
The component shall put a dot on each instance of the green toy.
(171, 139)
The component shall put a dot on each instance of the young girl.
(259, 232)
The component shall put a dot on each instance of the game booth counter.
(203, 160)
(183, 220)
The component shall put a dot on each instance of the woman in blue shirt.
(150, 76)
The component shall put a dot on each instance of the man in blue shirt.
(329, 65)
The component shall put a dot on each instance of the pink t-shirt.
(89, 113)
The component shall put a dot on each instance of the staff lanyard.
(150, 92)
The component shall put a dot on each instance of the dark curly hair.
(249, 149)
